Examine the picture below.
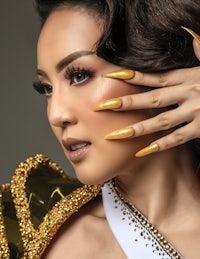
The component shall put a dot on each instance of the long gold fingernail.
(194, 34)
(114, 103)
(125, 74)
(147, 150)
(121, 133)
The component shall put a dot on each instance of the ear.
(196, 47)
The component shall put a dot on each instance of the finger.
(196, 47)
(171, 78)
(178, 137)
(153, 99)
(163, 121)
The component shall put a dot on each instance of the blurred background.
(24, 127)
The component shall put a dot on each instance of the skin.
(147, 182)
(79, 115)
(174, 87)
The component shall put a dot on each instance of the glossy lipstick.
(76, 148)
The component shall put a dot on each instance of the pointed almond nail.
(125, 74)
(121, 133)
(147, 150)
(194, 34)
(114, 103)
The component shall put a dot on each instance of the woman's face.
(67, 62)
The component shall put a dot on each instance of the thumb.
(196, 46)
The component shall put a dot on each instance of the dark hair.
(46, 7)
(153, 38)
(144, 35)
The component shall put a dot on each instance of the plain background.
(23, 124)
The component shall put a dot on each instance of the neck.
(165, 186)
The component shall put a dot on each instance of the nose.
(60, 110)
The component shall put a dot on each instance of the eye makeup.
(78, 74)
(42, 88)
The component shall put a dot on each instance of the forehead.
(67, 30)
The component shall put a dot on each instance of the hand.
(181, 86)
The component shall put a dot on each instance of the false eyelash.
(40, 87)
(70, 71)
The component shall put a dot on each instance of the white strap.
(135, 239)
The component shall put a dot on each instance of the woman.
(71, 62)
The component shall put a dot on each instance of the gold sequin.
(4, 250)
(35, 241)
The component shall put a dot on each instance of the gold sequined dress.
(38, 201)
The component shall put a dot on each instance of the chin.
(91, 179)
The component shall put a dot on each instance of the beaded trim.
(36, 241)
(167, 247)
(4, 249)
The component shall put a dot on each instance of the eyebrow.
(67, 60)
(70, 58)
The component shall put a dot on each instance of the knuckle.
(165, 145)
(162, 78)
(164, 121)
(156, 100)
(179, 137)
(141, 77)
(193, 89)
(192, 108)
(128, 102)
(174, 139)
(140, 129)
(196, 88)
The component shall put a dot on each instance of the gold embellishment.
(144, 222)
(4, 250)
(36, 241)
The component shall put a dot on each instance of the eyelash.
(71, 72)
(42, 88)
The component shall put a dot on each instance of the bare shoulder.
(85, 235)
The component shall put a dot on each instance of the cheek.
(110, 120)
(105, 122)
(103, 89)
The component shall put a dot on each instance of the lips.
(78, 146)
(77, 149)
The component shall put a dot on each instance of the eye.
(78, 75)
(43, 88)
